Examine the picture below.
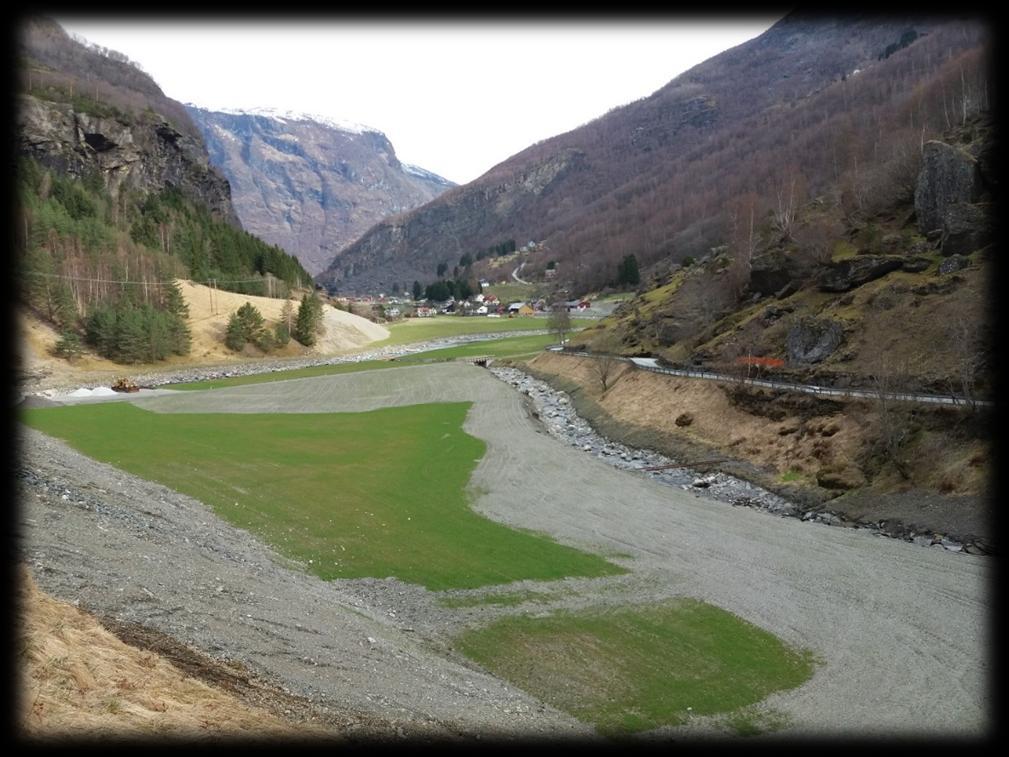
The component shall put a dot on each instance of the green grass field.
(636, 669)
(513, 291)
(513, 346)
(423, 329)
(381, 493)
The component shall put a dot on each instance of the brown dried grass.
(78, 680)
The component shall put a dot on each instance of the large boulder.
(965, 229)
(811, 340)
(843, 477)
(844, 275)
(948, 175)
(775, 270)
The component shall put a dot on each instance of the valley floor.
(901, 631)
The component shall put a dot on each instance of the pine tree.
(180, 337)
(246, 325)
(418, 290)
(309, 320)
(69, 345)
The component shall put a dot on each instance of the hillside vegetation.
(815, 102)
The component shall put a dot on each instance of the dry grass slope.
(80, 681)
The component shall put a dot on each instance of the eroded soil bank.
(789, 444)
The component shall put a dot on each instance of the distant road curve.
(515, 273)
(651, 364)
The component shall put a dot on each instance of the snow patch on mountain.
(351, 127)
(425, 174)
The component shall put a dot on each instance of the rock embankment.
(556, 411)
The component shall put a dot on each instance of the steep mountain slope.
(81, 111)
(811, 100)
(309, 185)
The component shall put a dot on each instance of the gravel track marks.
(902, 630)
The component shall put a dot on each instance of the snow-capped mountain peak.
(352, 127)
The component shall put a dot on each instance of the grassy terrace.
(381, 493)
(423, 329)
(514, 346)
(636, 669)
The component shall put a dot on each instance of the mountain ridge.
(310, 184)
(654, 177)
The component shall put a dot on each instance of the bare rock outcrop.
(949, 175)
(143, 153)
(844, 275)
(811, 340)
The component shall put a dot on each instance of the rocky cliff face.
(81, 111)
(143, 154)
(309, 186)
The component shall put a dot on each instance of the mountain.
(310, 184)
(811, 102)
(82, 108)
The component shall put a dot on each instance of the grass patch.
(424, 329)
(512, 346)
(350, 495)
(513, 291)
(637, 669)
(791, 475)
(843, 251)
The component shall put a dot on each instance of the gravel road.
(901, 630)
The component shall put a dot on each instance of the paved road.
(515, 273)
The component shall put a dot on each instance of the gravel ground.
(901, 630)
(49, 386)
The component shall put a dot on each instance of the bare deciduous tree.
(607, 365)
(890, 378)
(559, 321)
(966, 340)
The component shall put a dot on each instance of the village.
(393, 307)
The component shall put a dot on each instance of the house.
(520, 308)
(392, 312)
(482, 310)
(478, 298)
(425, 311)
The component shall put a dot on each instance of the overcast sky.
(453, 97)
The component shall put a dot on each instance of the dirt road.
(902, 630)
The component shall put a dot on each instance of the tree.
(309, 320)
(559, 321)
(179, 336)
(418, 290)
(742, 242)
(627, 272)
(607, 363)
(245, 325)
(69, 345)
